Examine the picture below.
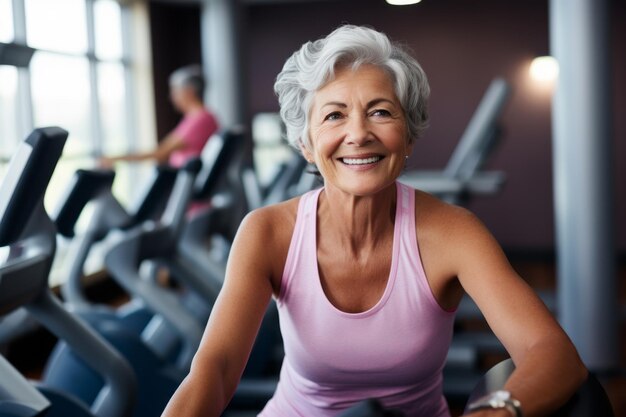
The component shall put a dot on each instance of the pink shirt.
(395, 351)
(195, 129)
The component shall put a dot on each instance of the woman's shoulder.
(271, 228)
(443, 219)
(273, 224)
(448, 237)
(275, 217)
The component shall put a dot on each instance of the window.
(270, 149)
(61, 97)
(8, 116)
(8, 90)
(6, 21)
(112, 96)
(81, 78)
(108, 27)
(58, 25)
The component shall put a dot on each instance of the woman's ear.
(308, 155)
(409, 149)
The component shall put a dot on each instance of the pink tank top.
(195, 129)
(394, 351)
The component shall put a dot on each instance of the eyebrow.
(376, 101)
(371, 103)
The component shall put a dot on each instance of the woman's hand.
(105, 162)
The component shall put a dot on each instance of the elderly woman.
(188, 138)
(367, 272)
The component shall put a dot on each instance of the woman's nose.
(357, 132)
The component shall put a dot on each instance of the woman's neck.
(193, 107)
(358, 223)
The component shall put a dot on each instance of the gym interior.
(526, 130)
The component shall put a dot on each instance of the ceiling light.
(544, 69)
(402, 2)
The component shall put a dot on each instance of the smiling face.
(359, 137)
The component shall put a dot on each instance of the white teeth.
(361, 161)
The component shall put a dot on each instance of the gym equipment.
(158, 377)
(153, 344)
(370, 408)
(367, 408)
(461, 177)
(213, 218)
(15, 54)
(108, 214)
(589, 401)
(288, 181)
(95, 187)
(18, 398)
(30, 236)
(172, 246)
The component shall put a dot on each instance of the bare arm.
(548, 368)
(232, 327)
(169, 144)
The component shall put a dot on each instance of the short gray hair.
(190, 76)
(315, 64)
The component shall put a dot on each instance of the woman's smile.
(361, 162)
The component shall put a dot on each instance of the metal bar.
(24, 100)
(94, 98)
(583, 179)
(221, 55)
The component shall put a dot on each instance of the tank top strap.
(406, 196)
(305, 226)
(410, 261)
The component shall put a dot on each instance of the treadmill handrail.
(151, 203)
(30, 235)
(15, 389)
(34, 161)
(159, 242)
(459, 178)
(84, 187)
(478, 134)
(216, 157)
(108, 215)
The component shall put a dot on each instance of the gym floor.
(29, 353)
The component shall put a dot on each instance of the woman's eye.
(333, 116)
(380, 112)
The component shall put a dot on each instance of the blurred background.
(100, 69)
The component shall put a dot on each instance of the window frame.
(24, 103)
(137, 130)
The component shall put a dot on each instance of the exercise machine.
(590, 400)
(462, 177)
(30, 236)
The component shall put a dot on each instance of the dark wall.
(462, 45)
(175, 31)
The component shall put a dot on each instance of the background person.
(368, 272)
(189, 137)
